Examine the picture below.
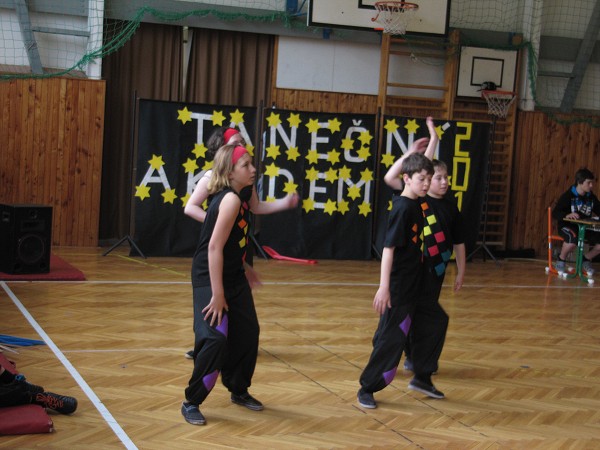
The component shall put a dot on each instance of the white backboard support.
(430, 19)
(478, 65)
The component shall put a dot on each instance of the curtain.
(230, 68)
(149, 65)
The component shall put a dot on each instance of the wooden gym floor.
(520, 368)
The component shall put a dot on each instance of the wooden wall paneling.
(52, 130)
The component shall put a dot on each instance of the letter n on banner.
(329, 160)
(463, 146)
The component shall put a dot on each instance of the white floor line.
(110, 420)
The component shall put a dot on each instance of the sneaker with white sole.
(191, 413)
(587, 267)
(366, 399)
(560, 266)
(425, 388)
(189, 354)
(247, 401)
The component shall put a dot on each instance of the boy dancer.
(578, 202)
(400, 279)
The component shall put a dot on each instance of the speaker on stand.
(25, 238)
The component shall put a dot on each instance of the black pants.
(388, 344)
(430, 324)
(230, 349)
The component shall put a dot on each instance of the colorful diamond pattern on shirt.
(434, 239)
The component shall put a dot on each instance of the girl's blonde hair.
(222, 167)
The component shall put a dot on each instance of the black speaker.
(25, 238)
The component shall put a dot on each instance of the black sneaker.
(33, 389)
(248, 401)
(425, 388)
(366, 399)
(59, 403)
(190, 354)
(192, 414)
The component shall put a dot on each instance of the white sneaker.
(560, 266)
(587, 266)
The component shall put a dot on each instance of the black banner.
(171, 158)
(463, 146)
(329, 159)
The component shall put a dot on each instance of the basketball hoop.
(394, 17)
(498, 102)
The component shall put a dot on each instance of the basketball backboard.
(430, 19)
(478, 65)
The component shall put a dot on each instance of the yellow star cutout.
(347, 144)
(273, 151)
(391, 125)
(272, 170)
(345, 173)
(411, 126)
(250, 149)
(312, 156)
(237, 117)
(364, 209)
(333, 156)
(366, 175)
(313, 125)
(331, 175)
(185, 199)
(273, 120)
(308, 205)
(184, 115)
(329, 207)
(365, 137)
(292, 153)
(290, 187)
(294, 120)
(364, 153)
(270, 199)
(207, 165)
(156, 162)
(353, 192)
(169, 196)
(142, 192)
(439, 131)
(312, 174)
(190, 166)
(390, 203)
(343, 207)
(199, 150)
(387, 160)
(334, 125)
(218, 118)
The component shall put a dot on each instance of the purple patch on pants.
(389, 375)
(405, 325)
(210, 380)
(224, 326)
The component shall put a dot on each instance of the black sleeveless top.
(234, 252)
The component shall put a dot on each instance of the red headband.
(238, 152)
(229, 133)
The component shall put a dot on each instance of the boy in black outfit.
(578, 202)
(400, 279)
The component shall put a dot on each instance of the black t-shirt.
(404, 233)
(234, 252)
(443, 229)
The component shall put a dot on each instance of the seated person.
(15, 390)
(578, 202)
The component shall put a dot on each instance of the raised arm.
(193, 207)
(392, 177)
(433, 139)
(281, 204)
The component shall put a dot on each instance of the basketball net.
(498, 102)
(394, 17)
